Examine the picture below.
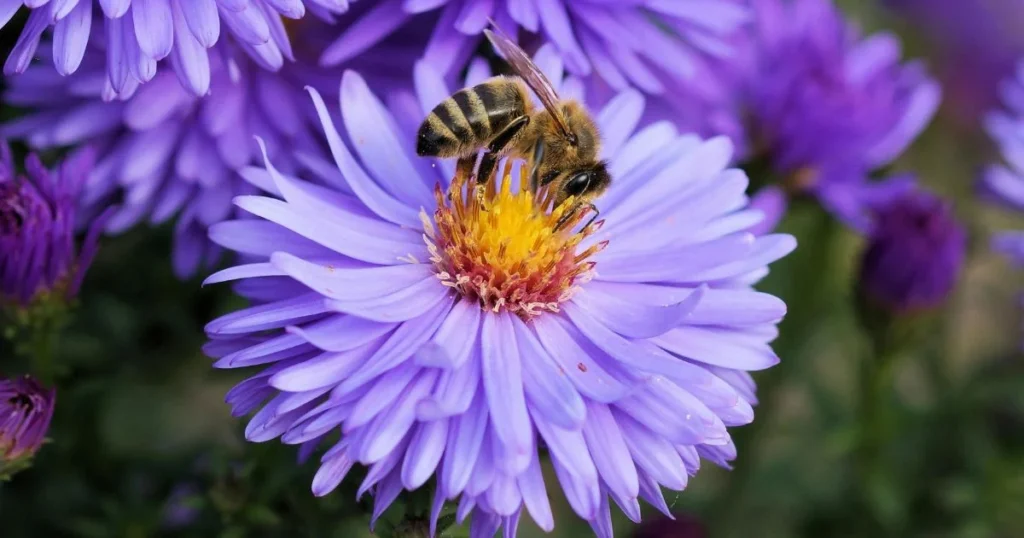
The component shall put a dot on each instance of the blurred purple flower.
(1004, 183)
(388, 314)
(976, 45)
(652, 45)
(26, 408)
(38, 255)
(137, 34)
(827, 106)
(915, 254)
(164, 151)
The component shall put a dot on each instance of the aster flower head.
(450, 335)
(26, 408)
(164, 152)
(135, 35)
(1003, 183)
(914, 256)
(828, 106)
(38, 253)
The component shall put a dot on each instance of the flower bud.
(914, 256)
(26, 408)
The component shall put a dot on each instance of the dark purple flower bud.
(38, 254)
(26, 408)
(682, 526)
(915, 253)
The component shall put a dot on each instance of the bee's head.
(585, 183)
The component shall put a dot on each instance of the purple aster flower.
(915, 254)
(137, 34)
(657, 46)
(38, 254)
(977, 45)
(828, 106)
(26, 408)
(1004, 183)
(453, 335)
(164, 152)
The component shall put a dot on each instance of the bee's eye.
(573, 140)
(578, 184)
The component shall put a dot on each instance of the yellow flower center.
(505, 248)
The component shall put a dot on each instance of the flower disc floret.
(504, 248)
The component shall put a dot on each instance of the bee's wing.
(530, 73)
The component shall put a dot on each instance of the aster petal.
(611, 455)
(503, 385)
(400, 345)
(546, 387)
(351, 284)
(325, 369)
(70, 36)
(154, 27)
(268, 316)
(341, 333)
(454, 392)
(248, 25)
(114, 9)
(425, 451)
(465, 439)
(583, 494)
(25, 48)
(920, 109)
(202, 20)
(7, 10)
(453, 344)
(262, 238)
(365, 188)
(636, 320)
(380, 143)
(331, 473)
(372, 27)
(535, 496)
(588, 378)
(390, 428)
(713, 346)
(400, 306)
(192, 65)
(617, 120)
(329, 233)
(382, 393)
(559, 29)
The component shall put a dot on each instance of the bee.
(561, 140)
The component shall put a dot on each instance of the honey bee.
(561, 140)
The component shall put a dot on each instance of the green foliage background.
(141, 431)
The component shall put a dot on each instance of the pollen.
(503, 246)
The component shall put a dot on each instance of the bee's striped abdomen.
(467, 120)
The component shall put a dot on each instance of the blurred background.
(143, 445)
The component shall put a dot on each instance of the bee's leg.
(497, 147)
(538, 156)
(572, 213)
